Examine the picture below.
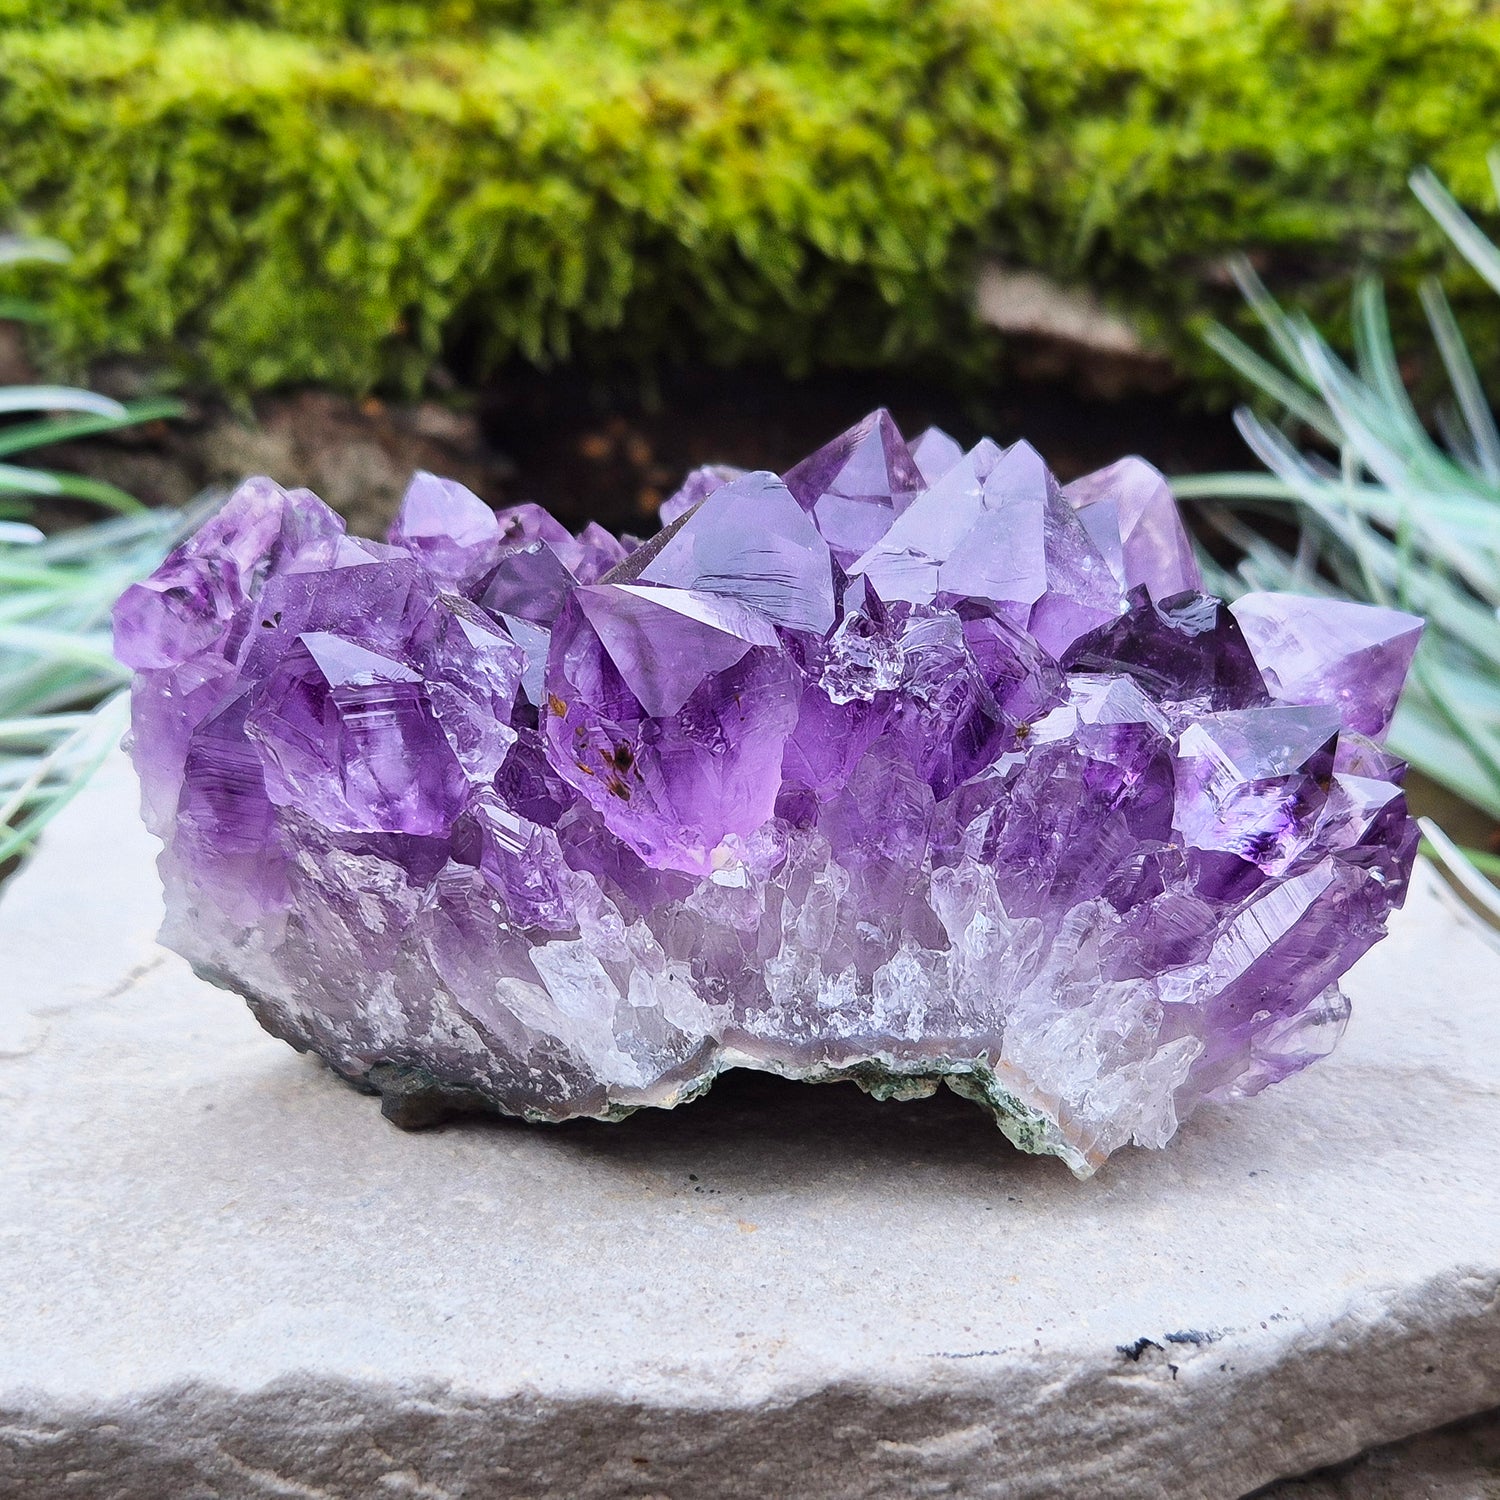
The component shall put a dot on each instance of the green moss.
(269, 191)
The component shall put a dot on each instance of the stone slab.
(1459, 1462)
(222, 1274)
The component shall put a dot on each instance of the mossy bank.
(318, 190)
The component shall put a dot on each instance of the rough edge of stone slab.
(1460, 1461)
(962, 1432)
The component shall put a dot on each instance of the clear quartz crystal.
(909, 766)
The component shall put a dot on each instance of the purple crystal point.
(521, 525)
(913, 767)
(664, 642)
(184, 626)
(668, 710)
(226, 823)
(847, 696)
(450, 529)
(968, 689)
(594, 553)
(534, 641)
(473, 670)
(996, 527)
(1128, 511)
(169, 706)
(524, 864)
(1252, 744)
(193, 603)
(1238, 784)
(907, 562)
(349, 738)
(1354, 806)
(1359, 755)
(184, 609)
(1002, 556)
(1354, 657)
(1024, 678)
(697, 487)
(751, 541)
(381, 594)
(934, 453)
(1084, 812)
(855, 486)
(532, 583)
(1185, 650)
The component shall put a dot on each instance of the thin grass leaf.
(1468, 238)
(57, 645)
(90, 745)
(44, 726)
(1282, 329)
(1279, 387)
(1486, 864)
(1475, 409)
(56, 594)
(24, 436)
(1483, 750)
(1462, 868)
(1375, 358)
(22, 481)
(58, 398)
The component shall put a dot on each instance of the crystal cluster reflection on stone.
(909, 766)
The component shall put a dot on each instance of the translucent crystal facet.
(449, 528)
(934, 453)
(698, 486)
(1128, 511)
(856, 485)
(907, 767)
(1354, 656)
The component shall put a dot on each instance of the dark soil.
(593, 449)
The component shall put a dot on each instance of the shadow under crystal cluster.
(908, 766)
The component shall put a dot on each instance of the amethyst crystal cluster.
(909, 766)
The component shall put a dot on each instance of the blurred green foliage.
(269, 191)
